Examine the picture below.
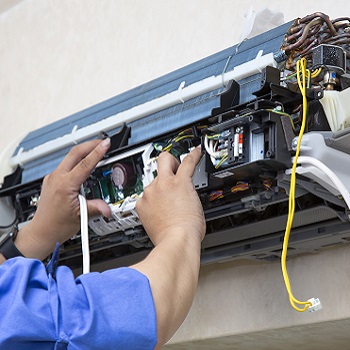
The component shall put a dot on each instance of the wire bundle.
(187, 134)
(218, 157)
(240, 186)
(216, 195)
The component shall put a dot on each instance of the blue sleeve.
(109, 310)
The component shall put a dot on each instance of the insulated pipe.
(180, 95)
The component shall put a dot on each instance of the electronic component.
(315, 304)
(120, 180)
(331, 56)
(123, 175)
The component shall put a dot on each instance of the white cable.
(84, 230)
(332, 176)
(214, 145)
(207, 147)
(210, 146)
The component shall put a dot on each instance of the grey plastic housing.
(317, 145)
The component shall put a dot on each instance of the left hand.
(58, 215)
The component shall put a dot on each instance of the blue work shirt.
(55, 311)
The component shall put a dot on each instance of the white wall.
(60, 56)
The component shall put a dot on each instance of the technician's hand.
(58, 215)
(172, 215)
(170, 203)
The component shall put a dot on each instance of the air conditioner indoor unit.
(246, 108)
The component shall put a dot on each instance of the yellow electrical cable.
(316, 72)
(180, 138)
(215, 136)
(301, 68)
(168, 147)
(276, 111)
(222, 160)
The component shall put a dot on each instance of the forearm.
(33, 242)
(172, 269)
(57, 217)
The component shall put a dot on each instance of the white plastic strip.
(84, 231)
(178, 96)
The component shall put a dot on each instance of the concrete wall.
(244, 305)
(60, 56)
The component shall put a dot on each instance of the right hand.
(170, 202)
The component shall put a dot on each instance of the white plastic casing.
(336, 105)
(315, 305)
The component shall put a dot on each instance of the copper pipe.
(304, 36)
(295, 35)
(335, 38)
(315, 30)
(341, 19)
(341, 41)
(307, 50)
(324, 17)
(295, 28)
